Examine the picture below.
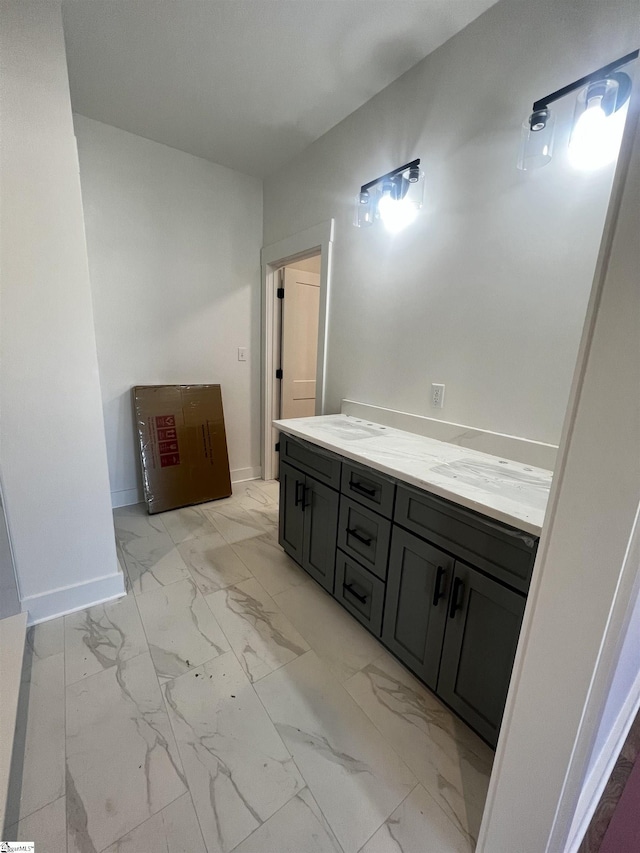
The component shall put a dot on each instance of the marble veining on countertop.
(507, 491)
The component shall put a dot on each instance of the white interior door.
(300, 313)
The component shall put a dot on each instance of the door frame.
(312, 241)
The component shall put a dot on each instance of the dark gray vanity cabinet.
(418, 585)
(442, 586)
(454, 627)
(480, 639)
(308, 521)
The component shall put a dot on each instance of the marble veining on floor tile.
(122, 762)
(452, 763)
(353, 774)
(334, 634)
(101, 637)
(174, 829)
(186, 523)
(133, 521)
(418, 825)
(180, 627)
(271, 488)
(45, 639)
(260, 634)
(234, 522)
(379, 764)
(299, 827)
(212, 562)
(152, 562)
(238, 770)
(269, 564)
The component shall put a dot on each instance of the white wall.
(587, 568)
(487, 291)
(52, 448)
(174, 252)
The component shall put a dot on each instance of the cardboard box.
(183, 445)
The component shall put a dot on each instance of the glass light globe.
(596, 136)
(396, 214)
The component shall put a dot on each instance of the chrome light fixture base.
(395, 198)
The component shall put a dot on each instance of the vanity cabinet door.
(320, 510)
(483, 625)
(418, 585)
(291, 517)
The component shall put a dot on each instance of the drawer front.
(501, 551)
(369, 488)
(360, 592)
(321, 464)
(364, 535)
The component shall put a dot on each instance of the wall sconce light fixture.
(394, 198)
(598, 120)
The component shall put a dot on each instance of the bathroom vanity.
(429, 545)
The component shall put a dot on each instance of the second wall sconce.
(598, 120)
(394, 198)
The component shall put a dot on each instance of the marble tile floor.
(227, 703)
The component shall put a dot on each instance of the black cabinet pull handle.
(306, 490)
(358, 487)
(353, 532)
(438, 592)
(299, 497)
(456, 603)
(349, 588)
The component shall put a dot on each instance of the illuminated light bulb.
(396, 214)
(596, 136)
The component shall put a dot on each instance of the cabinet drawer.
(369, 488)
(364, 535)
(501, 551)
(320, 463)
(360, 592)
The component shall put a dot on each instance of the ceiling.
(245, 83)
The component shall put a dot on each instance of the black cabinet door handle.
(358, 487)
(306, 502)
(438, 592)
(299, 496)
(456, 601)
(353, 532)
(349, 588)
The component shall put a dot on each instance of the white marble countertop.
(507, 491)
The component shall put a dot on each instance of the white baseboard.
(240, 475)
(596, 781)
(126, 497)
(68, 599)
(510, 446)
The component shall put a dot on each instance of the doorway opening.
(295, 302)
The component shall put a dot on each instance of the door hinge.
(278, 447)
(280, 293)
(279, 373)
